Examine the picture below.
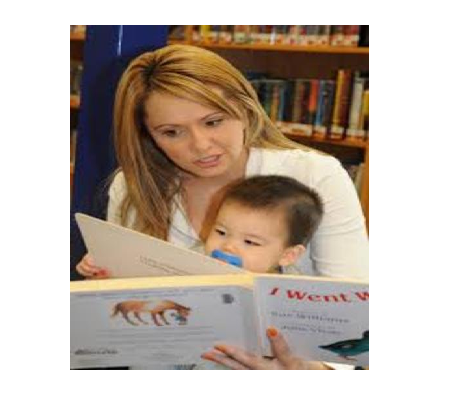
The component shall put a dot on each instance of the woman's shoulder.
(310, 165)
(118, 185)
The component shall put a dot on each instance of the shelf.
(74, 102)
(361, 144)
(77, 36)
(280, 47)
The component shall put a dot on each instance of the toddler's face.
(258, 237)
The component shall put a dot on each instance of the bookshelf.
(77, 40)
(321, 62)
(304, 62)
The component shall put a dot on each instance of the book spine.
(275, 102)
(196, 33)
(268, 89)
(293, 35)
(345, 100)
(302, 38)
(323, 35)
(305, 102)
(317, 128)
(328, 99)
(226, 34)
(298, 97)
(337, 35)
(214, 33)
(281, 32)
(355, 107)
(312, 102)
(282, 100)
(364, 115)
(240, 34)
(289, 100)
(336, 132)
(205, 33)
(363, 36)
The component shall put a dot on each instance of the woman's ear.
(291, 255)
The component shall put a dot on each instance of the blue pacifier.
(228, 258)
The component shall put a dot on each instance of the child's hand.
(87, 268)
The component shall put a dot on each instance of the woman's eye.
(214, 122)
(170, 133)
(251, 243)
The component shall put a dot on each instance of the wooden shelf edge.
(362, 144)
(279, 47)
(77, 36)
(74, 102)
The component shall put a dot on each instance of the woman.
(187, 124)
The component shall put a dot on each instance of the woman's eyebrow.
(200, 119)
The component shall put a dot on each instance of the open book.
(127, 253)
(164, 321)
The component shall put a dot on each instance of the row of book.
(302, 35)
(78, 29)
(73, 145)
(356, 174)
(331, 109)
(76, 71)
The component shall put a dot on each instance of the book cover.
(173, 320)
(127, 253)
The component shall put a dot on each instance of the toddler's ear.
(291, 255)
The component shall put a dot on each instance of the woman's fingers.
(280, 348)
(243, 358)
(87, 268)
(222, 359)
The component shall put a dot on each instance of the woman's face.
(202, 141)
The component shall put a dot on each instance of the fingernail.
(221, 348)
(207, 356)
(272, 332)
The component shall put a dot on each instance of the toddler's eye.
(251, 243)
(220, 232)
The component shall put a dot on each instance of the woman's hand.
(87, 268)
(235, 358)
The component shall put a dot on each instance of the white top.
(340, 246)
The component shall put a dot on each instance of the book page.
(321, 320)
(158, 326)
(127, 253)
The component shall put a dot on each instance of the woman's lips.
(208, 162)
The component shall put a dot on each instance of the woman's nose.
(200, 140)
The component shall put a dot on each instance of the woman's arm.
(340, 247)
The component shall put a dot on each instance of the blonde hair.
(188, 72)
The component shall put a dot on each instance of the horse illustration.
(137, 307)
